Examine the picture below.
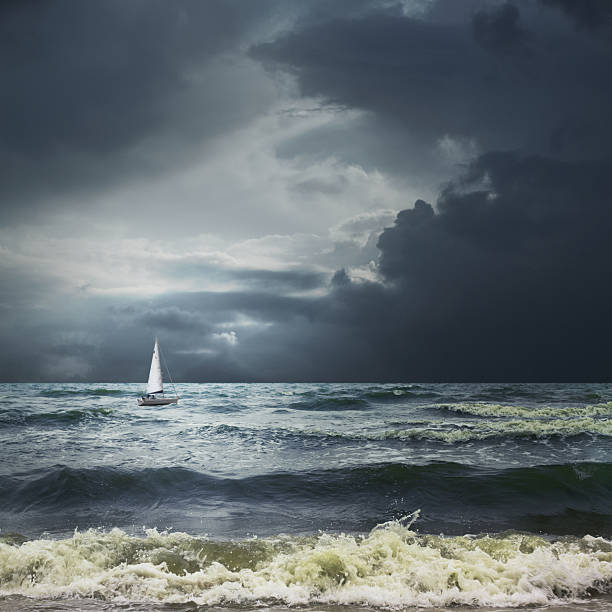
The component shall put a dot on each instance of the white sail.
(155, 384)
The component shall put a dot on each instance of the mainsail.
(155, 384)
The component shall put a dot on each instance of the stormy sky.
(293, 190)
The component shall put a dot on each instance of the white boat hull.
(157, 401)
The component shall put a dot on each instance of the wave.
(561, 499)
(63, 487)
(392, 566)
(225, 408)
(503, 422)
(507, 392)
(428, 430)
(526, 429)
(498, 410)
(359, 399)
(458, 434)
(400, 394)
(101, 391)
(331, 403)
(537, 393)
(56, 417)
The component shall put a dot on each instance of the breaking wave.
(392, 566)
(549, 412)
(523, 428)
(531, 425)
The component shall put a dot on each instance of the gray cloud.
(172, 319)
(429, 78)
(279, 281)
(501, 277)
(506, 281)
(94, 78)
(591, 14)
(95, 95)
(499, 29)
(503, 282)
(99, 95)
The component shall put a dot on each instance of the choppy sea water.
(325, 496)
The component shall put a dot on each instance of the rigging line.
(167, 370)
(144, 391)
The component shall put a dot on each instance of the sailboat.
(155, 385)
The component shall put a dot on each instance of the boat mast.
(168, 370)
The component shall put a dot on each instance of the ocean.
(312, 496)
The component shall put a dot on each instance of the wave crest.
(520, 428)
(548, 412)
(390, 567)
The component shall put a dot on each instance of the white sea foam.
(522, 428)
(392, 567)
(501, 421)
(539, 412)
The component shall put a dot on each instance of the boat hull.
(157, 401)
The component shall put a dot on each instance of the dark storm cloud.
(499, 29)
(509, 78)
(507, 280)
(98, 94)
(592, 14)
(85, 83)
(93, 77)
(171, 319)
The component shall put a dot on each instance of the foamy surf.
(508, 429)
(391, 567)
(483, 409)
